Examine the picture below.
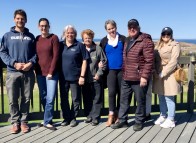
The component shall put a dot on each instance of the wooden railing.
(183, 103)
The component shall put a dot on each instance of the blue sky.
(152, 15)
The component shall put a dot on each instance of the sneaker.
(15, 128)
(73, 123)
(88, 120)
(137, 126)
(168, 124)
(65, 123)
(24, 127)
(160, 120)
(94, 122)
(119, 125)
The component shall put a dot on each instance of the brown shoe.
(24, 127)
(15, 128)
(110, 120)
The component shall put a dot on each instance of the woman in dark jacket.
(112, 45)
(92, 88)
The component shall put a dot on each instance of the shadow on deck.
(184, 132)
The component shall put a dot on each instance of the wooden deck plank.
(28, 135)
(67, 133)
(10, 137)
(4, 129)
(138, 135)
(78, 134)
(126, 134)
(115, 133)
(187, 133)
(100, 135)
(52, 135)
(150, 134)
(193, 138)
(175, 133)
(36, 136)
(163, 133)
(89, 135)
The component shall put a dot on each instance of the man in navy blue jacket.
(17, 51)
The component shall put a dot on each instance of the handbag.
(180, 74)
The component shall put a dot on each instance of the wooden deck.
(184, 132)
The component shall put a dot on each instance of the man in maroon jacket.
(138, 58)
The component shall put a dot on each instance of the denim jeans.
(47, 91)
(167, 104)
(19, 84)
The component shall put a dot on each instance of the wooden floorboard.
(163, 133)
(184, 132)
(115, 133)
(176, 132)
(187, 133)
(152, 132)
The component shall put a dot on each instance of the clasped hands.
(23, 66)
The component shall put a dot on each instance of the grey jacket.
(96, 55)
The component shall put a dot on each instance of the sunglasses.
(164, 34)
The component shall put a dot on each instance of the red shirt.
(47, 54)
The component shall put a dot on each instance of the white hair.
(66, 28)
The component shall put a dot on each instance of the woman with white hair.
(72, 71)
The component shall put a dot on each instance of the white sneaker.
(168, 124)
(160, 120)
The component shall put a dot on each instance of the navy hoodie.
(17, 47)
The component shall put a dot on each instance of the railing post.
(2, 93)
(191, 73)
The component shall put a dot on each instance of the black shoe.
(119, 125)
(40, 124)
(88, 120)
(51, 127)
(94, 122)
(148, 117)
(65, 123)
(73, 123)
(137, 126)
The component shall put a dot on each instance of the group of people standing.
(127, 64)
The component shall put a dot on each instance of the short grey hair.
(66, 28)
(110, 21)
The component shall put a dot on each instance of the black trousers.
(114, 78)
(67, 112)
(92, 99)
(127, 89)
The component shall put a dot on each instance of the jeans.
(167, 103)
(20, 84)
(92, 99)
(127, 89)
(47, 91)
